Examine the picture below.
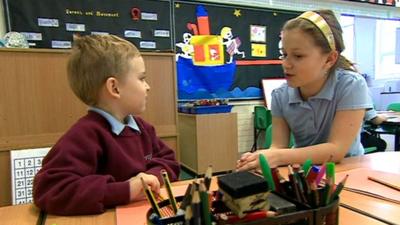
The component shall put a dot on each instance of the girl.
(324, 100)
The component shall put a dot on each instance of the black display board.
(257, 54)
(51, 23)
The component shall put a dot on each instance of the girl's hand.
(248, 161)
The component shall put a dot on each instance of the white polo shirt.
(310, 121)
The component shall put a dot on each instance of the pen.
(306, 166)
(321, 174)
(312, 174)
(322, 170)
(330, 172)
(171, 197)
(266, 171)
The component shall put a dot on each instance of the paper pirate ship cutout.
(201, 66)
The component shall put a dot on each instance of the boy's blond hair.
(93, 59)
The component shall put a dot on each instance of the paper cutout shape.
(258, 50)
(258, 33)
(208, 50)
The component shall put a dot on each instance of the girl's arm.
(346, 126)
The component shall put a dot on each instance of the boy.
(98, 163)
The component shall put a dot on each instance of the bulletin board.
(51, 24)
(224, 51)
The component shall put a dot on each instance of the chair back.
(268, 138)
(262, 117)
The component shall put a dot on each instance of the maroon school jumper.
(87, 170)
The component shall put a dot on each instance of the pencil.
(188, 215)
(150, 198)
(295, 184)
(208, 177)
(167, 184)
(314, 194)
(204, 196)
(196, 208)
(339, 188)
(187, 198)
(397, 188)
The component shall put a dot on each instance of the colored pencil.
(167, 184)
(208, 177)
(377, 180)
(150, 198)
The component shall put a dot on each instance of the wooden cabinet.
(208, 139)
(37, 105)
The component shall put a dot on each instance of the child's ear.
(112, 87)
(332, 58)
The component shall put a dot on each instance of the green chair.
(268, 138)
(394, 106)
(370, 150)
(262, 119)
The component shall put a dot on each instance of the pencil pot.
(304, 215)
(167, 217)
(327, 215)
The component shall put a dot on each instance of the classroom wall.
(364, 55)
(339, 6)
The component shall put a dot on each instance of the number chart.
(24, 165)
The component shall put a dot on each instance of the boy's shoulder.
(143, 123)
(90, 122)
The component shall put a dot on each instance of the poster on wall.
(224, 51)
(52, 24)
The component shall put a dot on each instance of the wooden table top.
(26, 214)
(384, 161)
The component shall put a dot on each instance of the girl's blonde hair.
(95, 58)
(319, 38)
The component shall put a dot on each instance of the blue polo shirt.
(310, 121)
(116, 125)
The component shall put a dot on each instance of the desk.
(26, 214)
(384, 161)
(107, 218)
(390, 126)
